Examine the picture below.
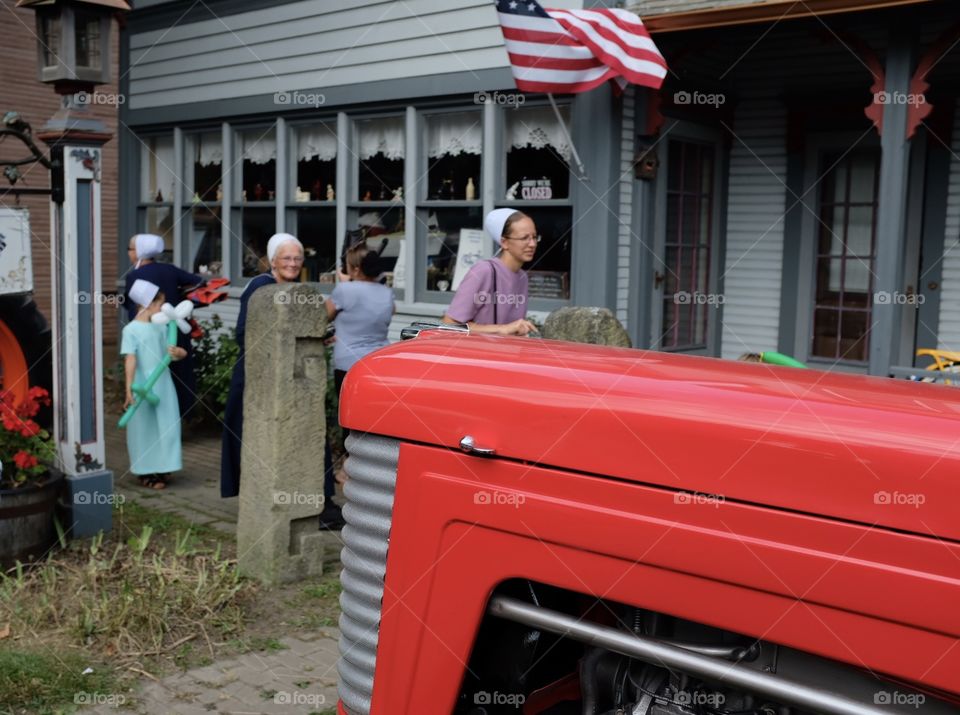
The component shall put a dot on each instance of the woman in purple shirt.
(492, 298)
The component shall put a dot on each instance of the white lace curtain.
(157, 163)
(209, 149)
(318, 142)
(381, 136)
(460, 133)
(258, 146)
(537, 128)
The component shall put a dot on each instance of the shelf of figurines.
(311, 204)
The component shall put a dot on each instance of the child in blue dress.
(153, 433)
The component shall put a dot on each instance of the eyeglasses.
(524, 239)
(291, 259)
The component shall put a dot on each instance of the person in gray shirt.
(362, 308)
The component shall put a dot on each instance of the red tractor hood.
(877, 451)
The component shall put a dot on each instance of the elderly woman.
(285, 255)
(492, 298)
(142, 251)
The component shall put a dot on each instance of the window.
(380, 151)
(537, 182)
(158, 182)
(377, 205)
(255, 192)
(846, 253)
(450, 213)
(687, 245)
(203, 197)
(312, 204)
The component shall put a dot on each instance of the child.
(153, 433)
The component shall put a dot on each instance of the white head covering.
(143, 292)
(277, 240)
(148, 245)
(494, 222)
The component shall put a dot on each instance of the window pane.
(87, 34)
(856, 282)
(258, 173)
(316, 163)
(317, 231)
(860, 231)
(853, 335)
(256, 226)
(831, 227)
(204, 162)
(538, 154)
(863, 176)
(454, 143)
(204, 242)
(442, 252)
(159, 220)
(380, 154)
(826, 332)
(157, 170)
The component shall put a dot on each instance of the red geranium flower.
(29, 428)
(24, 460)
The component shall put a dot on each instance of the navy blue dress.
(233, 412)
(171, 280)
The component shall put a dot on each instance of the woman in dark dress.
(143, 249)
(285, 254)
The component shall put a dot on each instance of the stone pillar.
(284, 431)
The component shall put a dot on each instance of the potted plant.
(29, 482)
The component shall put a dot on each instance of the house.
(794, 186)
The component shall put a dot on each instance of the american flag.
(577, 50)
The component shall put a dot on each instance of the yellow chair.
(943, 361)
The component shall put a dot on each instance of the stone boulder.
(597, 326)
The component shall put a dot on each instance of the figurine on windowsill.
(398, 194)
(271, 195)
(243, 195)
(258, 192)
(315, 190)
(301, 196)
(219, 192)
(331, 194)
(159, 197)
(196, 198)
(471, 191)
(368, 196)
(512, 191)
(383, 193)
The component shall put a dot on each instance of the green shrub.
(214, 356)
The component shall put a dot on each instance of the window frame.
(237, 205)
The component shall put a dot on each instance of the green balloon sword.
(172, 318)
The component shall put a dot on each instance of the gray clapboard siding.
(755, 220)
(949, 335)
(310, 45)
(624, 232)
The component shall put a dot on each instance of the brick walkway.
(299, 679)
(194, 492)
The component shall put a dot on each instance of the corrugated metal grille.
(625, 230)
(372, 468)
(949, 336)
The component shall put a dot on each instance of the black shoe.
(331, 518)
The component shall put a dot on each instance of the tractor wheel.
(26, 359)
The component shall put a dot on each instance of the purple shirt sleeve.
(467, 301)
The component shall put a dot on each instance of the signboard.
(536, 190)
(548, 284)
(469, 252)
(16, 271)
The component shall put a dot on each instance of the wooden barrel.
(26, 521)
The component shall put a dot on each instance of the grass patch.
(155, 593)
(49, 682)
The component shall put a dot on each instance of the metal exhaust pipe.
(783, 690)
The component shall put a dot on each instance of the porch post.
(892, 208)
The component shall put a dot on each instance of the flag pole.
(573, 150)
